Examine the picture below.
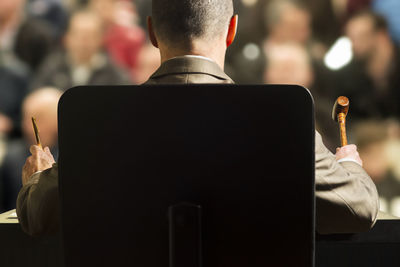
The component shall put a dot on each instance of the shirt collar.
(191, 64)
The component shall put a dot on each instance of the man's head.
(84, 37)
(41, 104)
(364, 30)
(185, 25)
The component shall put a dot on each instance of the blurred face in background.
(114, 11)
(104, 8)
(9, 7)
(41, 104)
(84, 37)
(294, 26)
(288, 64)
(361, 32)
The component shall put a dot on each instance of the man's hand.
(348, 152)
(40, 160)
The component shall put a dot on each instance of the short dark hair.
(179, 22)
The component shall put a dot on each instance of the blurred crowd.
(331, 47)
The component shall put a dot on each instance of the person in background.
(41, 104)
(82, 61)
(284, 21)
(379, 146)
(326, 20)
(123, 38)
(287, 21)
(12, 91)
(291, 21)
(372, 77)
(290, 63)
(51, 11)
(24, 41)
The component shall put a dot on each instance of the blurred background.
(331, 47)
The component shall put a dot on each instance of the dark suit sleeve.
(346, 197)
(38, 203)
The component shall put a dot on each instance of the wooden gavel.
(339, 113)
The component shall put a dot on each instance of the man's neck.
(215, 55)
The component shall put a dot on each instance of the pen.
(36, 130)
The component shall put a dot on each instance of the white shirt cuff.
(348, 159)
(36, 173)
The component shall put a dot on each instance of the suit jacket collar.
(190, 64)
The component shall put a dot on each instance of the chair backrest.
(243, 154)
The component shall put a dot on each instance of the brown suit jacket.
(346, 197)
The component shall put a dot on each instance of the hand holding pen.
(40, 160)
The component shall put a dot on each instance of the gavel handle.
(342, 126)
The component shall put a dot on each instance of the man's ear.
(152, 35)
(232, 30)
